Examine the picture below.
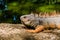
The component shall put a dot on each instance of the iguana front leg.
(39, 28)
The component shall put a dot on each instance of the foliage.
(26, 6)
(13, 6)
(46, 8)
(21, 7)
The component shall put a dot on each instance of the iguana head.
(31, 20)
(26, 19)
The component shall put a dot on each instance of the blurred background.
(11, 10)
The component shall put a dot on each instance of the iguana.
(40, 23)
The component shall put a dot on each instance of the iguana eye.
(25, 17)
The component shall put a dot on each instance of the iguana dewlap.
(40, 23)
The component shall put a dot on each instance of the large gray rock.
(17, 32)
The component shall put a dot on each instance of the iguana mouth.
(25, 23)
(28, 26)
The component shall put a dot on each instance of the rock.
(17, 32)
(46, 36)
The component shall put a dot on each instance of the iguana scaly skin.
(41, 23)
